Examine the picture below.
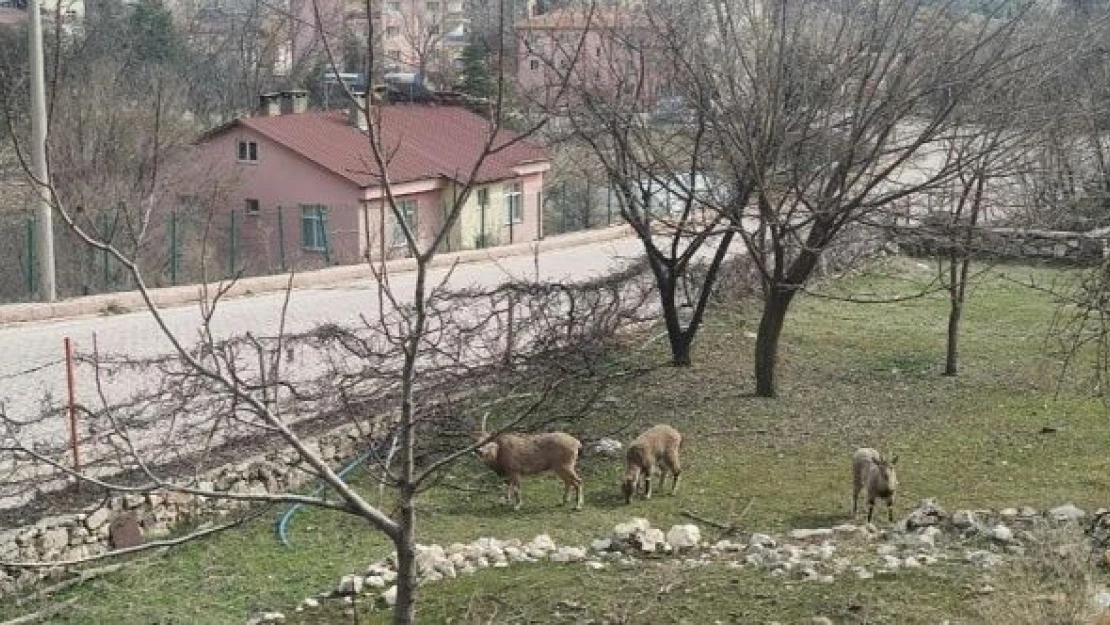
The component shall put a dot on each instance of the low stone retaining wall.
(87, 533)
(1081, 248)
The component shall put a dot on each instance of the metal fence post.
(281, 236)
(107, 235)
(29, 245)
(233, 251)
(321, 218)
(175, 253)
(608, 205)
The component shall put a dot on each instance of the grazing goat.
(513, 456)
(658, 446)
(876, 477)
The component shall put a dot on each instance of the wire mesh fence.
(192, 245)
(179, 247)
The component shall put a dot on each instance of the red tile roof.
(419, 141)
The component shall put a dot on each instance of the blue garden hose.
(283, 522)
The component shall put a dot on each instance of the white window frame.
(514, 203)
(247, 151)
(409, 209)
(252, 207)
(315, 214)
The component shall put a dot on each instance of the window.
(392, 31)
(248, 152)
(514, 203)
(407, 208)
(252, 207)
(432, 7)
(433, 29)
(534, 64)
(314, 227)
(395, 7)
(393, 54)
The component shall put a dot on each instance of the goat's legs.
(670, 461)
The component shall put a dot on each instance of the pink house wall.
(429, 220)
(354, 217)
(282, 178)
(531, 228)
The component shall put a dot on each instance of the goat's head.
(886, 470)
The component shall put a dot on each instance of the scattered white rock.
(568, 554)
(911, 563)
(762, 540)
(1001, 533)
(684, 536)
(390, 596)
(542, 542)
(607, 448)
(601, 544)
(651, 540)
(375, 581)
(821, 620)
(1066, 513)
(862, 573)
(266, 618)
(926, 513)
(964, 519)
(625, 531)
(310, 603)
(1008, 514)
(980, 557)
(595, 565)
(808, 534)
(349, 585)
(892, 562)
(727, 545)
(886, 550)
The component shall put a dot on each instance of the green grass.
(850, 375)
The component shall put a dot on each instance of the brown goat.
(514, 456)
(658, 446)
(876, 477)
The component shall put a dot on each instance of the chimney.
(357, 111)
(269, 104)
(294, 101)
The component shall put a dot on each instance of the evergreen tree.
(477, 79)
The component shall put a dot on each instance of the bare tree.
(827, 114)
(417, 348)
(599, 70)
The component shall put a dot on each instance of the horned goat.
(514, 456)
(656, 447)
(876, 477)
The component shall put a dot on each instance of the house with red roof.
(310, 191)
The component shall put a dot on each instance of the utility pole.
(44, 217)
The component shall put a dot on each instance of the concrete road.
(31, 364)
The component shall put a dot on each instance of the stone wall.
(1082, 248)
(86, 533)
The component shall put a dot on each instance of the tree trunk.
(951, 361)
(767, 340)
(680, 348)
(404, 611)
(957, 297)
(680, 341)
